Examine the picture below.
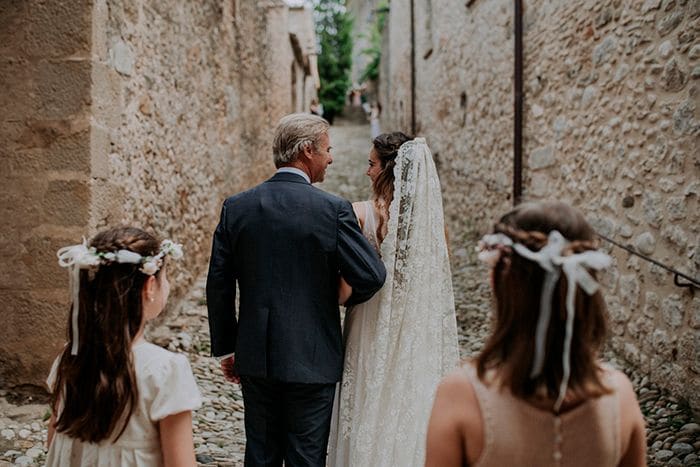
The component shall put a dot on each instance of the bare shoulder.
(457, 389)
(359, 208)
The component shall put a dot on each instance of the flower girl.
(117, 399)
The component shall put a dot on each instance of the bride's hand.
(344, 291)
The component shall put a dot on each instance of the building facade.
(141, 112)
(611, 125)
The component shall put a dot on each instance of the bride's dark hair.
(386, 147)
(95, 391)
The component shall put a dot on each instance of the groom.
(286, 244)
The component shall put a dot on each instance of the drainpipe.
(518, 106)
(413, 69)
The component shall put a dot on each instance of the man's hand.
(229, 373)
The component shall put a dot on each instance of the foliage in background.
(374, 51)
(333, 29)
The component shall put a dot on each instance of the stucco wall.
(125, 112)
(611, 126)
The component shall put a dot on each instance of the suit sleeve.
(221, 291)
(359, 263)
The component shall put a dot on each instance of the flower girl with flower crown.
(118, 400)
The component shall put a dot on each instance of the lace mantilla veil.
(403, 341)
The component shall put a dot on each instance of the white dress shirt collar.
(294, 170)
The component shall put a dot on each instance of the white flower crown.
(84, 257)
(77, 257)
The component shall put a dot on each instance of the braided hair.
(386, 147)
(517, 286)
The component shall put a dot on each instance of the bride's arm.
(344, 291)
(359, 212)
(447, 242)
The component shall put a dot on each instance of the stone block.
(67, 203)
(695, 313)
(21, 201)
(37, 254)
(107, 94)
(58, 29)
(541, 158)
(629, 291)
(672, 310)
(652, 208)
(33, 330)
(645, 243)
(674, 76)
(669, 22)
(651, 305)
(62, 88)
(17, 99)
(689, 349)
(99, 145)
(108, 205)
(13, 20)
(684, 117)
(51, 145)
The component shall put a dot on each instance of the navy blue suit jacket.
(285, 243)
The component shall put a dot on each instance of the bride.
(402, 341)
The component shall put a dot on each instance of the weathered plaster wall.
(139, 112)
(611, 126)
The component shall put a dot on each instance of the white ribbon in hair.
(550, 259)
(574, 267)
(75, 258)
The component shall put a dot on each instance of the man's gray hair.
(294, 132)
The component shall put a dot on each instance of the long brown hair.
(517, 286)
(386, 146)
(96, 389)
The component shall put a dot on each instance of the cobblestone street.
(673, 436)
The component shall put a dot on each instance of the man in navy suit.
(286, 244)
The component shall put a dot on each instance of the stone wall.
(139, 112)
(611, 126)
(45, 139)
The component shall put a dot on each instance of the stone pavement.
(673, 436)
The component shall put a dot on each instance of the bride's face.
(375, 166)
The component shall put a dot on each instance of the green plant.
(374, 51)
(333, 29)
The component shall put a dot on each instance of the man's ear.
(308, 150)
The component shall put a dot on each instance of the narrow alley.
(218, 425)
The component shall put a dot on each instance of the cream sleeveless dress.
(517, 433)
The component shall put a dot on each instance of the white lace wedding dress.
(401, 342)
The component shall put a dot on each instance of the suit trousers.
(286, 421)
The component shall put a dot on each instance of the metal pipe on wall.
(518, 98)
(413, 69)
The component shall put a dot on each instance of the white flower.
(126, 256)
(176, 251)
(149, 267)
(109, 256)
(171, 248)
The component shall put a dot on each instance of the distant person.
(537, 394)
(401, 342)
(117, 399)
(374, 114)
(316, 108)
(286, 244)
